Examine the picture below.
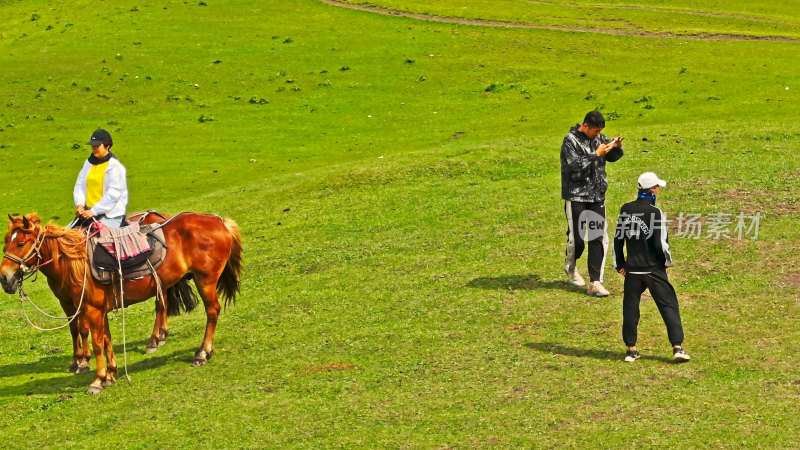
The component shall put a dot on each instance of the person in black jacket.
(584, 182)
(643, 229)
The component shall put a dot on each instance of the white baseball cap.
(648, 180)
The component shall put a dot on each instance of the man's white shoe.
(575, 278)
(680, 355)
(632, 355)
(597, 290)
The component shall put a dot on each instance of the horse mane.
(68, 253)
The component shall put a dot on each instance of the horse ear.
(30, 221)
(10, 218)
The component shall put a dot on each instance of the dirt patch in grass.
(331, 367)
(776, 203)
(529, 328)
(686, 299)
(491, 442)
(780, 258)
(518, 326)
(789, 280)
(740, 212)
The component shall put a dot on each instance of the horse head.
(21, 249)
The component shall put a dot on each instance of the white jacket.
(115, 189)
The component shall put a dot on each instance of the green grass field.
(397, 185)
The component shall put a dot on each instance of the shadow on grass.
(60, 362)
(521, 282)
(55, 363)
(558, 349)
(63, 382)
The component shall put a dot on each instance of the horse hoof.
(81, 369)
(199, 362)
(109, 381)
(149, 350)
(73, 368)
(162, 342)
(201, 357)
(94, 390)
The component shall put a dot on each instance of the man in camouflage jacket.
(584, 153)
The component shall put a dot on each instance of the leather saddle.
(104, 264)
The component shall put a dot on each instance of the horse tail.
(181, 296)
(228, 283)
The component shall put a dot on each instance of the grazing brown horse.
(205, 248)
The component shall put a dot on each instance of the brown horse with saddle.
(178, 297)
(203, 247)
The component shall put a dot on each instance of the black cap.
(98, 137)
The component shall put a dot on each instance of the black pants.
(588, 219)
(666, 300)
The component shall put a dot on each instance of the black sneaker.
(680, 355)
(632, 355)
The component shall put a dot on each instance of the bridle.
(28, 272)
(35, 249)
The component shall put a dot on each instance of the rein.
(28, 272)
(23, 296)
(34, 271)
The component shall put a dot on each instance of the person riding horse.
(101, 190)
(204, 248)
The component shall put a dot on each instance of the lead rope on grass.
(122, 306)
(23, 296)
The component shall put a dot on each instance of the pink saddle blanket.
(125, 242)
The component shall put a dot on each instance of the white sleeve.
(664, 240)
(79, 192)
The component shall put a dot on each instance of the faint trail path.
(503, 24)
(666, 10)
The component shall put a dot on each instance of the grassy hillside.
(404, 235)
